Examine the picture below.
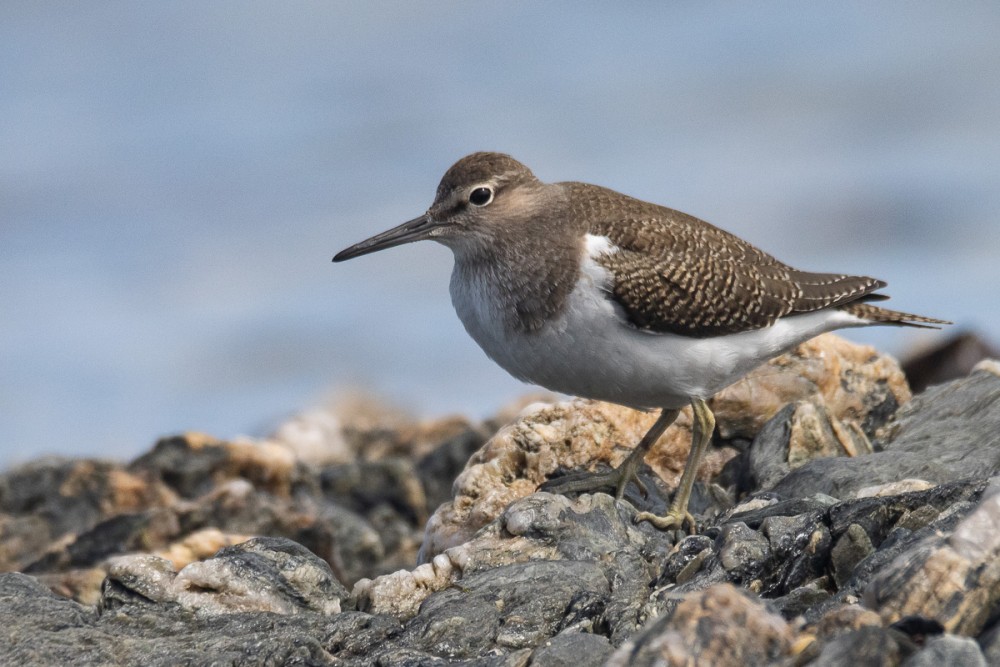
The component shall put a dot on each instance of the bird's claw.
(672, 519)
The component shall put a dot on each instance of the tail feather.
(877, 315)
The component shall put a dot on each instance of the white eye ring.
(481, 196)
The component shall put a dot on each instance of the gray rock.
(851, 548)
(878, 517)
(742, 551)
(950, 432)
(546, 580)
(948, 650)
(989, 643)
(799, 600)
(768, 454)
(439, 468)
(800, 548)
(53, 499)
(686, 558)
(950, 578)
(511, 607)
(364, 485)
(42, 629)
(262, 574)
(951, 358)
(868, 646)
(573, 649)
(598, 529)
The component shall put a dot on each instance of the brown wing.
(675, 273)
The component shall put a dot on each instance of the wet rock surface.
(840, 523)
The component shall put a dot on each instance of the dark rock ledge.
(844, 522)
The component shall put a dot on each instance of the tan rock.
(266, 465)
(82, 585)
(845, 618)
(817, 434)
(401, 593)
(355, 426)
(954, 579)
(988, 365)
(894, 488)
(848, 379)
(199, 545)
(719, 626)
(316, 436)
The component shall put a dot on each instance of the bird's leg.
(618, 478)
(701, 435)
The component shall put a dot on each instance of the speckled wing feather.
(678, 274)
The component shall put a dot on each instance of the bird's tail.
(877, 315)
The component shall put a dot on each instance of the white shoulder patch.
(594, 273)
(598, 245)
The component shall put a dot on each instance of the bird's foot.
(674, 518)
(589, 482)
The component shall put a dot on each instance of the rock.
(989, 642)
(365, 485)
(53, 499)
(742, 552)
(199, 545)
(82, 585)
(261, 574)
(797, 434)
(119, 534)
(514, 577)
(43, 629)
(316, 436)
(883, 521)
(720, 626)
(851, 548)
(687, 558)
(374, 430)
(515, 461)
(854, 384)
(65, 520)
(193, 464)
(438, 468)
(800, 552)
(894, 488)
(540, 527)
(948, 650)
(512, 606)
(950, 359)
(953, 579)
(845, 618)
(573, 649)
(869, 646)
(948, 433)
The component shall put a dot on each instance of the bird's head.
(481, 197)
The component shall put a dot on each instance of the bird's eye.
(481, 196)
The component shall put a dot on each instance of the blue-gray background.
(175, 177)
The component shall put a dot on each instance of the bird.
(589, 292)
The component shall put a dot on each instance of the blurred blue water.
(174, 178)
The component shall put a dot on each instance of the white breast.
(590, 350)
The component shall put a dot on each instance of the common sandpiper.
(589, 292)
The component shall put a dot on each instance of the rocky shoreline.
(843, 521)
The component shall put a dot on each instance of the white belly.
(589, 350)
